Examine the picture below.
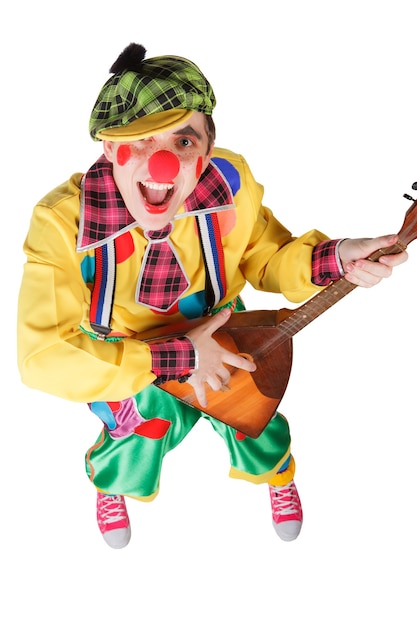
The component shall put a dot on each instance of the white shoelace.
(110, 512)
(285, 500)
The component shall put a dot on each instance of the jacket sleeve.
(54, 355)
(274, 260)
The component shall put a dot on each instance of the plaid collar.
(103, 213)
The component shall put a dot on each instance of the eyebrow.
(189, 130)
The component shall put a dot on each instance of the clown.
(163, 227)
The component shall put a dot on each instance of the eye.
(185, 142)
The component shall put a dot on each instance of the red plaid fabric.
(172, 359)
(210, 192)
(326, 265)
(162, 280)
(103, 212)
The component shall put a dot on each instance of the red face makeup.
(123, 154)
(199, 167)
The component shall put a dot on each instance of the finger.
(240, 362)
(378, 270)
(218, 379)
(201, 398)
(359, 281)
(366, 273)
(199, 390)
(217, 320)
(392, 260)
(214, 383)
(372, 245)
(224, 376)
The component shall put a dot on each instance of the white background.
(320, 97)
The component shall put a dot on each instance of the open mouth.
(156, 194)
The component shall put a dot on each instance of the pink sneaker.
(113, 520)
(287, 514)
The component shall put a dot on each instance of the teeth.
(158, 186)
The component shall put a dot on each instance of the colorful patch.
(124, 247)
(155, 428)
(88, 269)
(103, 411)
(229, 172)
(193, 306)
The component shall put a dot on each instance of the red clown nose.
(163, 166)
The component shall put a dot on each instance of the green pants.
(127, 456)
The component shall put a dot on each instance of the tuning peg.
(407, 196)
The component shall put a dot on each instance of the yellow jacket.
(55, 352)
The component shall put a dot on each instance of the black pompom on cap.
(130, 59)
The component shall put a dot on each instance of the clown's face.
(155, 175)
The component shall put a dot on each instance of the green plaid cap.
(163, 83)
